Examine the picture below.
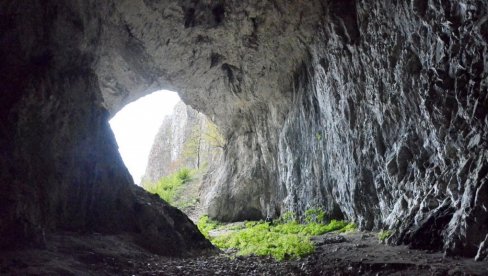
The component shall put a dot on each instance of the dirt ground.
(357, 253)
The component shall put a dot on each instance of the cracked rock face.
(181, 142)
(373, 110)
(166, 155)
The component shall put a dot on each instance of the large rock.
(375, 110)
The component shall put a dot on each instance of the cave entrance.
(168, 147)
(136, 125)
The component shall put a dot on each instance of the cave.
(374, 110)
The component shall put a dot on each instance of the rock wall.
(386, 127)
(395, 118)
(183, 141)
(375, 110)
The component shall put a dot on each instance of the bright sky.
(136, 125)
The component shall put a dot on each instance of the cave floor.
(357, 253)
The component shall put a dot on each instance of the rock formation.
(186, 139)
(375, 110)
(59, 168)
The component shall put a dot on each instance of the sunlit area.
(136, 125)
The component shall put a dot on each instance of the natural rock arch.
(373, 110)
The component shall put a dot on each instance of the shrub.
(184, 175)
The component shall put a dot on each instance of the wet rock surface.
(357, 254)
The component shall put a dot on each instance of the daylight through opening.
(136, 125)
(168, 147)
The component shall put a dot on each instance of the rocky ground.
(336, 254)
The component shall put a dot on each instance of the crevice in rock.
(345, 13)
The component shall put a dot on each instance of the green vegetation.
(263, 239)
(287, 217)
(286, 239)
(206, 225)
(213, 136)
(205, 133)
(348, 228)
(314, 215)
(167, 187)
(384, 234)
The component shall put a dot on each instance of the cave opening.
(136, 125)
(168, 148)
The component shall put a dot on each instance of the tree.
(193, 144)
(205, 135)
(213, 136)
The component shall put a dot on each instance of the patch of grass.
(384, 234)
(262, 239)
(167, 187)
(349, 228)
(233, 226)
(206, 225)
(286, 239)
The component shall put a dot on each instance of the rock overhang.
(364, 77)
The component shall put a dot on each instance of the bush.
(184, 175)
